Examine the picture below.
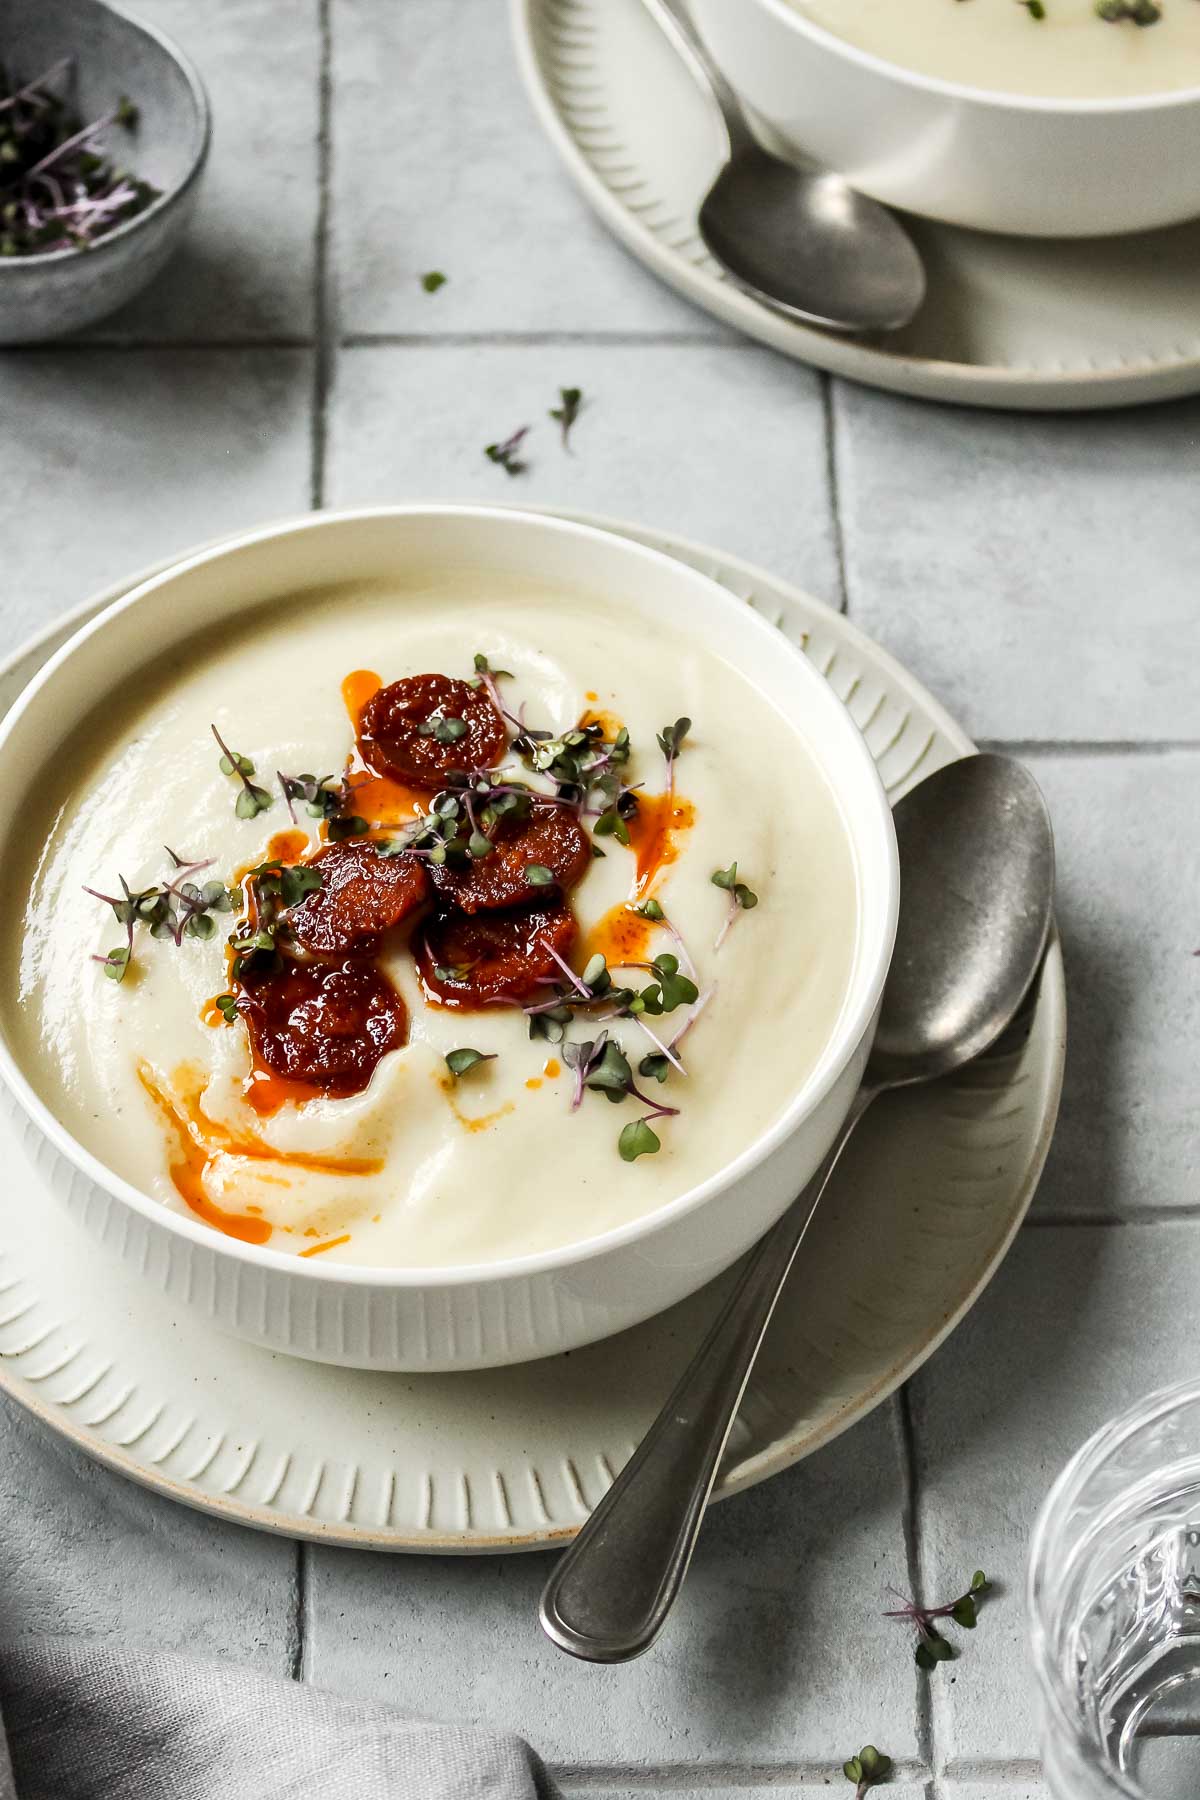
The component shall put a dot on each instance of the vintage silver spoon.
(976, 897)
(802, 241)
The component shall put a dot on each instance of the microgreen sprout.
(323, 797)
(649, 909)
(866, 1769)
(252, 800)
(508, 452)
(670, 741)
(568, 412)
(486, 677)
(741, 898)
(459, 1062)
(228, 1007)
(179, 907)
(538, 875)
(1034, 8)
(1137, 12)
(270, 891)
(432, 280)
(932, 1648)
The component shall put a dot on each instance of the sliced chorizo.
(549, 838)
(424, 728)
(469, 960)
(322, 1023)
(362, 895)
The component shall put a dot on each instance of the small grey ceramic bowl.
(44, 296)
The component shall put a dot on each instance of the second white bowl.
(996, 161)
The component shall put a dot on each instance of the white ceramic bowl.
(465, 1317)
(999, 162)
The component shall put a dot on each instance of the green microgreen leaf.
(459, 1061)
(432, 280)
(507, 452)
(347, 827)
(649, 909)
(227, 1006)
(252, 800)
(867, 1768)
(656, 1066)
(612, 1073)
(479, 846)
(116, 962)
(538, 875)
(568, 412)
(637, 1139)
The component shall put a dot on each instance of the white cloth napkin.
(84, 1722)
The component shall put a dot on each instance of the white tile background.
(1039, 574)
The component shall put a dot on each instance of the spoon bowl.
(977, 866)
(799, 239)
(807, 244)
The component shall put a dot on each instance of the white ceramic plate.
(1012, 322)
(923, 1208)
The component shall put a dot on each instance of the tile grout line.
(1089, 746)
(322, 334)
(689, 1778)
(829, 415)
(298, 1640)
(911, 1520)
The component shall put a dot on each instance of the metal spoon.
(800, 240)
(977, 888)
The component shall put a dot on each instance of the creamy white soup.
(1073, 49)
(311, 1085)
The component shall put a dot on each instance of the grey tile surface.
(766, 1660)
(1077, 1325)
(724, 444)
(246, 268)
(462, 180)
(1037, 572)
(1129, 875)
(110, 459)
(87, 1554)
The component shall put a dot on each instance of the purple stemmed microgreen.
(931, 1647)
(269, 891)
(741, 898)
(866, 1769)
(670, 741)
(486, 677)
(507, 452)
(252, 800)
(58, 189)
(175, 909)
(601, 1065)
(567, 412)
(323, 797)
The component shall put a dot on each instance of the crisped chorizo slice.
(425, 727)
(549, 840)
(362, 895)
(324, 1024)
(469, 959)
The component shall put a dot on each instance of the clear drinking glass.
(1114, 1599)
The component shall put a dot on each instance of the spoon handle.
(673, 20)
(610, 1593)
